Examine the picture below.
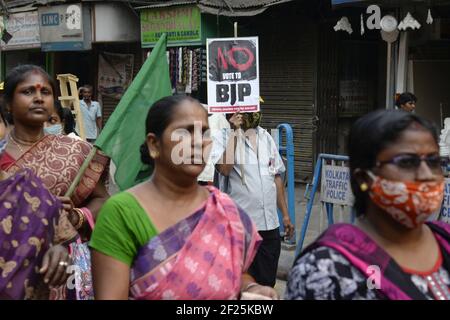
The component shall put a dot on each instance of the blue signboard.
(50, 19)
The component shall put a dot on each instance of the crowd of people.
(177, 236)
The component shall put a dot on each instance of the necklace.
(19, 144)
(16, 143)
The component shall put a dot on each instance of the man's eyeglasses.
(413, 161)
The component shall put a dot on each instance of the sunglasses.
(413, 161)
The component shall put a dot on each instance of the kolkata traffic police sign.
(336, 186)
(233, 75)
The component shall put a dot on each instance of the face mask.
(54, 129)
(3, 143)
(409, 203)
(251, 120)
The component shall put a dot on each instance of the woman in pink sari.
(170, 238)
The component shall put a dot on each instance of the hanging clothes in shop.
(185, 65)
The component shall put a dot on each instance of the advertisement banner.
(65, 28)
(182, 25)
(115, 73)
(24, 29)
(233, 75)
(336, 186)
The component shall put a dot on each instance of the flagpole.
(80, 174)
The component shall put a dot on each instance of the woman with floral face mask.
(392, 252)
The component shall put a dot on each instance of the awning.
(232, 8)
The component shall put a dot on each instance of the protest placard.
(233, 75)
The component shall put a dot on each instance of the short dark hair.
(18, 75)
(59, 109)
(370, 135)
(159, 118)
(69, 121)
(88, 87)
(66, 116)
(405, 98)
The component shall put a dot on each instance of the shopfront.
(116, 50)
(187, 29)
(23, 45)
(420, 50)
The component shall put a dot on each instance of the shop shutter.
(287, 85)
(327, 90)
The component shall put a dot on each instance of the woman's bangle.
(250, 285)
(81, 218)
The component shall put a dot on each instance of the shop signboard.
(183, 26)
(24, 29)
(233, 75)
(65, 28)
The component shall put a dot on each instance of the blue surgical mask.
(54, 129)
(3, 143)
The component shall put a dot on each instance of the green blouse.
(122, 228)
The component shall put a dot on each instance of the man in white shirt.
(251, 165)
(92, 115)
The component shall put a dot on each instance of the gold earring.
(364, 187)
(154, 154)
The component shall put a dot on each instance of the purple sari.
(28, 216)
(363, 252)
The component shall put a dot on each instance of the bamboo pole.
(80, 174)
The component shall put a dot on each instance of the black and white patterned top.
(325, 274)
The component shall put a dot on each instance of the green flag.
(124, 132)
